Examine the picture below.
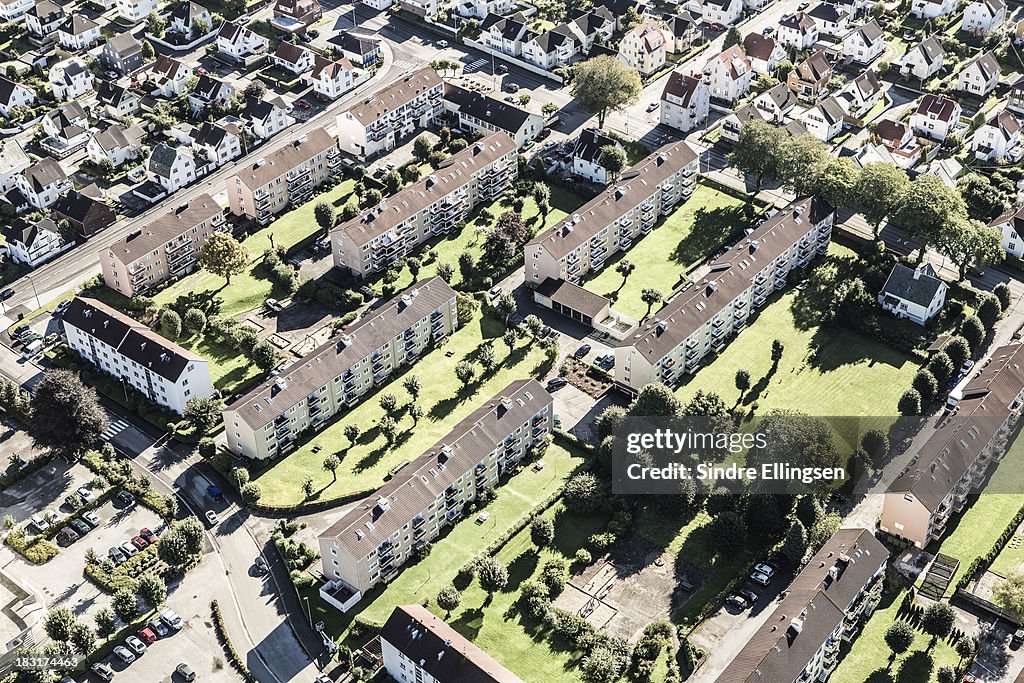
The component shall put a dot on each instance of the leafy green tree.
(625, 268)
(509, 338)
(486, 357)
(152, 589)
(603, 84)
(416, 412)
(542, 198)
(105, 624)
(156, 25)
(83, 639)
(655, 400)
(732, 37)
(729, 533)
(966, 647)
(388, 402)
(204, 413)
(794, 547)
(251, 493)
(125, 605)
(542, 532)
(928, 210)
(910, 403)
(650, 296)
(941, 367)
(449, 598)
(66, 416)
(307, 487)
(989, 310)
(371, 198)
(809, 510)
(265, 356)
(351, 432)
(971, 243)
(946, 674)
(583, 493)
(58, 623)
(926, 385)
(445, 271)
(323, 212)
(224, 256)
(388, 428)
(506, 306)
(876, 444)
(1002, 292)
(172, 549)
(756, 152)
(422, 147)
(899, 637)
(331, 464)
(465, 372)
(973, 330)
(549, 108)
(193, 533)
(879, 192)
(958, 350)
(938, 620)
(613, 158)
(492, 575)
(392, 182)
(195, 320)
(742, 381)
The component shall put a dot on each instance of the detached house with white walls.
(682, 32)
(34, 244)
(830, 19)
(798, 31)
(291, 57)
(43, 183)
(980, 77)
(115, 144)
(588, 155)
(725, 12)
(935, 118)
(117, 101)
(685, 102)
(923, 60)
(135, 10)
(333, 78)
(171, 167)
(265, 117)
(763, 52)
(930, 9)
(999, 138)
(240, 43)
(70, 79)
(78, 33)
(864, 44)
(644, 48)
(825, 119)
(11, 11)
(14, 95)
(1011, 225)
(479, 113)
(728, 75)
(916, 294)
(981, 17)
(159, 369)
(168, 77)
(43, 19)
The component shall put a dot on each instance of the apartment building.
(824, 606)
(954, 461)
(701, 318)
(286, 176)
(164, 372)
(613, 219)
(419, 647)
(168, 247)
(432, 206)
(378, 122)
(265, 422)
(369, 544)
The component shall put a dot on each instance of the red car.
(139, 542)
(201, 71)
(303, 104)
(716, 26)
(148, 535)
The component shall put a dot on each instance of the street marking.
(473, 66)
(115, 428)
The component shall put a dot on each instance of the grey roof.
(12, 156)
(210, 134)
(112, 138)
(44, 173)
(930, 49)
(589, 144)
(870, 32)
(395, 95)
(349, 42)
(369, 333)
(917, 286)
(70, 119)
(7, 88)
(165, 228)
(27, 233)
(573, 296)
(446, 654)
(502, 115)
(799, 21)
(187, 11)
(781, 96)
(125, 45)
(47, 10)
(112, 93)
(161, 161)
(549, 40)
(210, 88)
(76, 25)
(831, 110)
(814, 607)
(987, 65)
(828, 13)
(418, 484)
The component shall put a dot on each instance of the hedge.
(229, 648)
(30, 467)
(152, 499)
(39, 550)
(985, 561)
(126, 574)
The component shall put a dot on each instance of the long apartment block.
(378, 122)
(955, 459)
(614, 219)
(285, 177)
(824, 606)
(266, 421)
(166, 248)
(370, 543)
(433, 206)
(164, 372)
(702, 317)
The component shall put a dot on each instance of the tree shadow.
(916, 667)
(711, 228)
(469, 622)
(521, 569)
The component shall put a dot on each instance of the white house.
(164, 372)
(550, 49)
(479, 9)
(13, 162)
(860, 95)
(682, 30)
(135, 10)
(266, 118)
(479, 113)
(218, 142)
(168, 77)
(980, 77)
(685, 102)
(70, 79)
(43, 183)
(294, 58)
(643, 48)
(118, 102)
(776, 103)
(240, 43)
(1011, 225)
(32, 245)
(763, 52)
(115, 144)
(930, 9)
(935, 118)
(798, 31)
(210, 92)
(830, 19)
(864, 44)
(824, 120)
(78, 33)
(11, 11)
(999, 138)
(66, 129)
(505, 34)
(333, 78)
(728, 75)
(922, 61)
(915, 294)
(900, 141)
(983, 16)
(43, 19)
(171, 167)
(587, 155)
(14, 95)
(185, 16)
(723, 12)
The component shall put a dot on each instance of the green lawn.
(694, 231)
(365, 465)
(868, 658)
(496, 627)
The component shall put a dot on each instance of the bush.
(233, 656)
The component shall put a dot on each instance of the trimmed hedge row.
(155, 501)
(39, 550)
(124, 575)
(985, 561)
(229, 648)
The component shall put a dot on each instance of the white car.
(39, 522)
(103, 671)
(170, 619)
(442, 43)
(128, 549)
(136, 645)
(124, 654)
(758, 577)
(764, 569)
(85, 493)
(212, 517)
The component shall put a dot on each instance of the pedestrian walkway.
(115, 428)
(475, 65)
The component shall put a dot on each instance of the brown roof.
(165, 228)
(731, 56)
(635, 186)
(730, 275)
(450, 176)
(890, 131)
(395, 95)
(369, 333)
(332, 67)
(941, 107)
(445, 654)
(812, 610)
(759, 46)
(410, 491)
(955, 445)
(276, 164)
(290, 52)
(814, 69)
(573, 296)
(682, 86)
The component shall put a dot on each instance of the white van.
(170, 619)
(954, 397)
(32, 349)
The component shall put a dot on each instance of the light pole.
(309, 614)
(34, 293)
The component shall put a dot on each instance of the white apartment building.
(265, 422)
(135, 10)
(431, 206)
(612, 220)
(369, 544)
(643, 48)
(685, 102)
(164, 372)
(381, 120)
(701, 318)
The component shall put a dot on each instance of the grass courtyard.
(365, 464)
(695, 230)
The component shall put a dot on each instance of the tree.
(798, 439)
(941, 367)
(1009, 593)
(582, 493)
(973, 330)
(125, 605)
(389, 428)
(449, 598)
(422, 147)
(603, 84)
(388, 402)
(255, 90)
(655, 400)
(156, 25)
(506, 306)
(58, 623)
(966, 647)
(170, 324)
(542, 198)
(251, 493)
(416, 412)
(879, 192)
(323, 212)
(794, 547)
(799, 162)
(728, 531)
(193, 533)
(549, 108)
(650, 296)
(732, 37)
(613, 158)
(809, 510)
(307, 487)
(195, 320)
(392, 182)
(224, 256)
(835, 180)
(82, 638)
(465, 372)
(946, 674)
(467, 264)
(542, 532)
(524, 99)
(172, 549)
(239, 476)
(928, 209)
(926, 385)
(486, 357)
(445, 271)
(958, 351)
(265, 356)
(203, 413)
(938, 620)
(331, 465)
(152, 589)
(105, 624)
(510, 340)
(777, 349)
(742, 381)
(984, 200)
(351, 432)
(899, 637)
(492, 575)
(989, 310)
(66, 416)
(876, 444)
(971, 243)
(147, 50)
(756, 152)
(625, 268)
(370, 198)
(1002, 292)
(910, 403)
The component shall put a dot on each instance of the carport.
(572, 301)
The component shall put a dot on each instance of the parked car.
(73, 501)
(170, 618)
(61, 307)
(442, 44)
(136, 645)
(715, 26)
(543, 134)
(313, 33)
(758, 577)
(116, 555)
(185, 671)
(557, 383)
(20, 330)
(139, 542)
(768, 31)
(148, 535)
(367, 292)
(146, 635)
(737, 601)
(303, 104)
(125, 497)
(750, 595)
(124, 654)
(275, 305)
(582, 351)
(157, 627)
(502, 69)
(765, 569)
(966, 367)
(212, 517)
(81, 527)
(261, 564)
(512, 87)
(91, 518)
(69, 534)
(652, 106)
(86, 494)
(6, 294)
(38, 520)
(103, 671)
(128, 549)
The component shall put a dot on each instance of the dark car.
(557, 383)
(502, 69)
(750, 595)
(125, 497)
(544, 134)
(6, 293)
(313, 33)
(582, 351)
(81, 527)
(367, 292)
(737, 601)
